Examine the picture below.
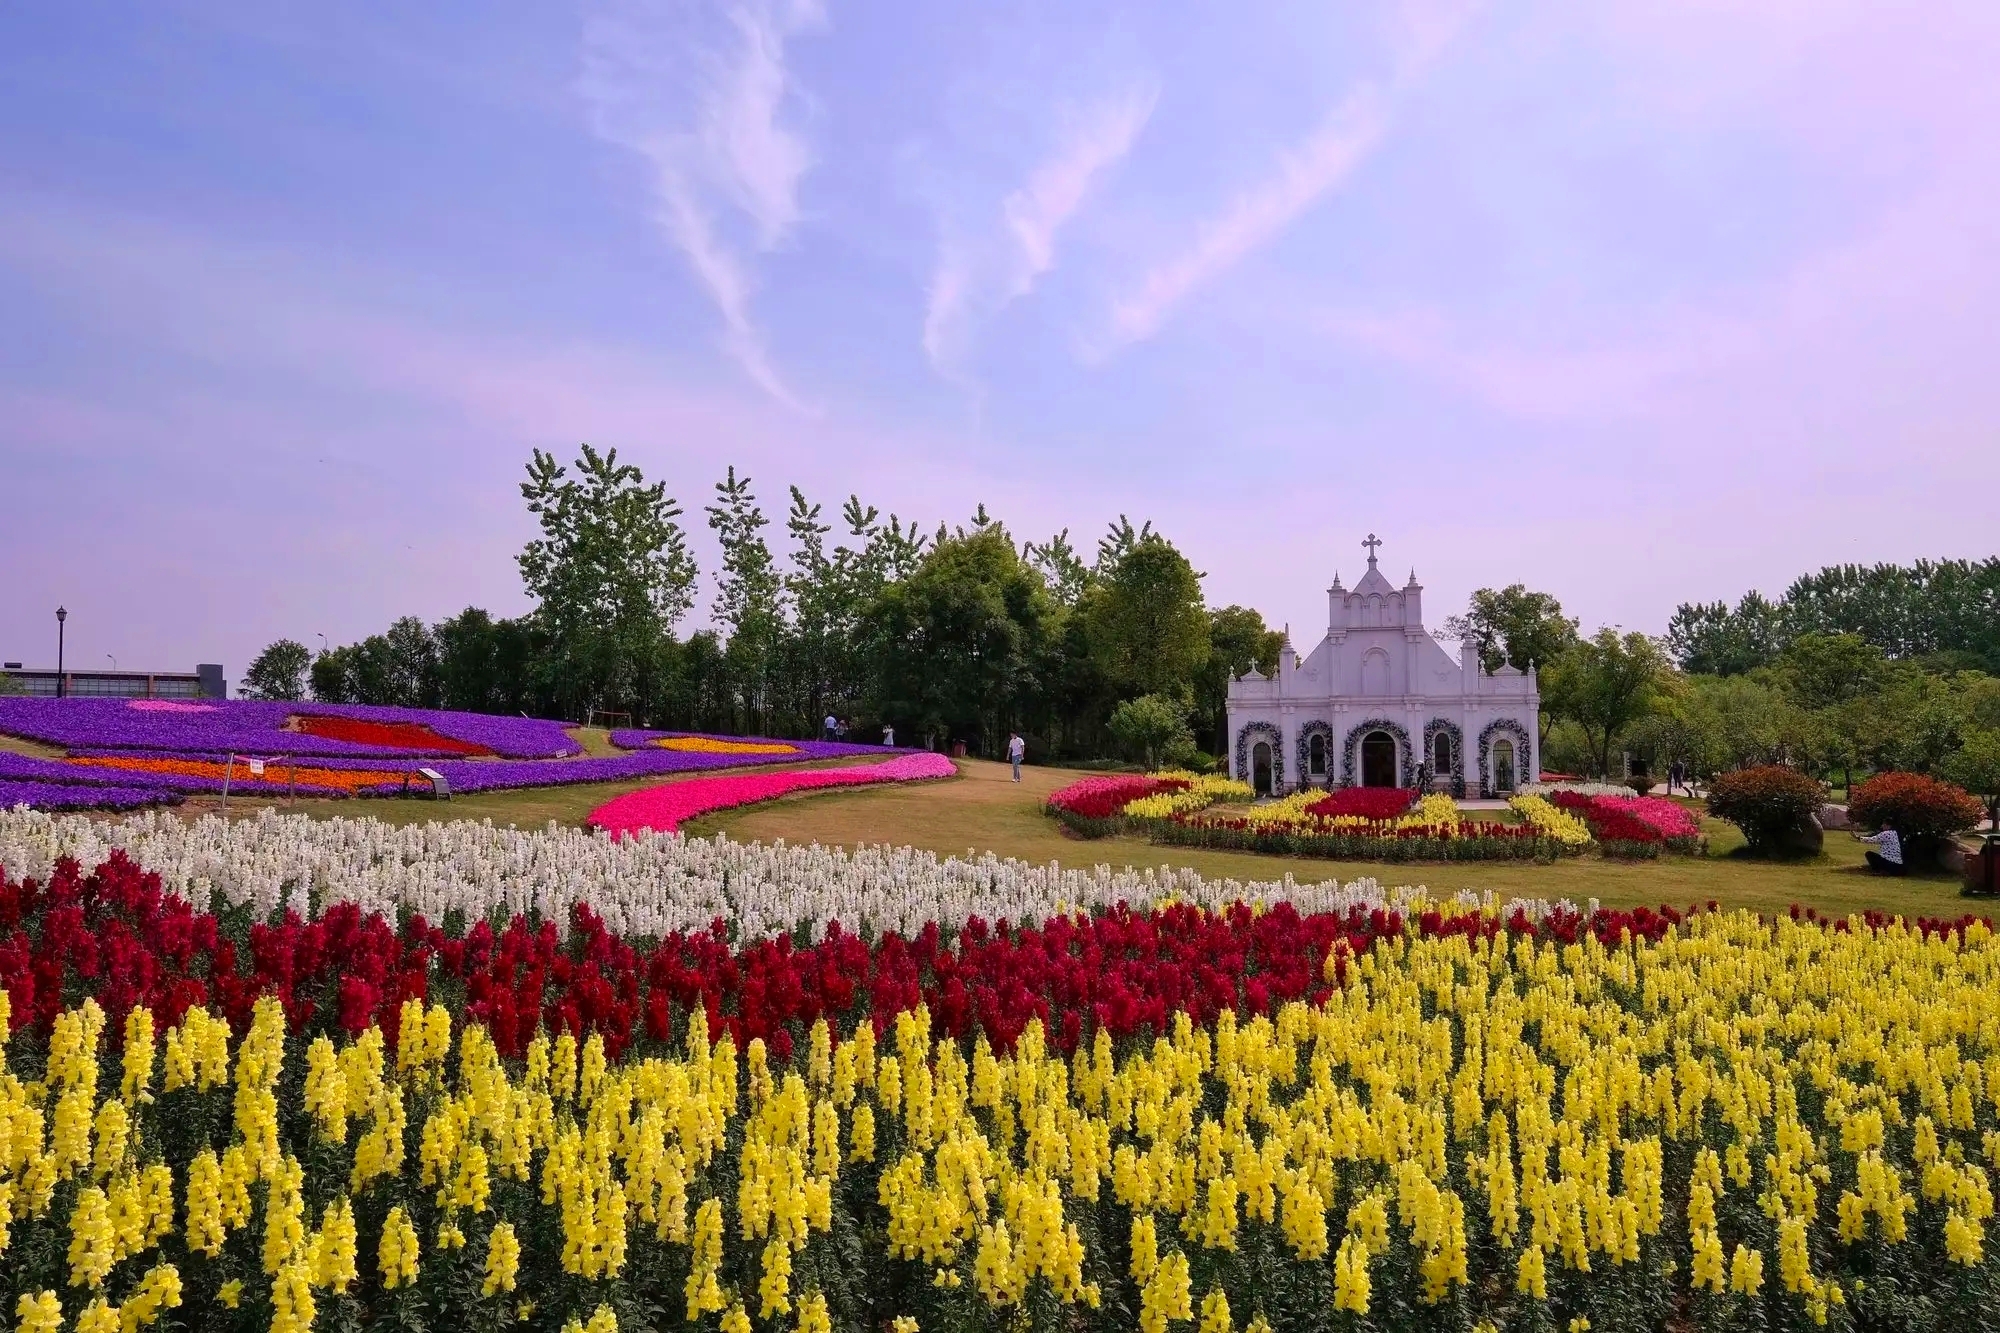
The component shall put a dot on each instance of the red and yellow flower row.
(1717, 1119)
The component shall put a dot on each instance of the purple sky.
(1632, 302)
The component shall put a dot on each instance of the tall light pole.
(114, 663)
(61, 616)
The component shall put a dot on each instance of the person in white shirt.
(889, 734)
(1017, 749)
(1889, 860)
(830, 723)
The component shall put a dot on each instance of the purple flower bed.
(632, 739)
(61, 796)
(464, 775)
(213, 727)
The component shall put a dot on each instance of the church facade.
(1380, 703)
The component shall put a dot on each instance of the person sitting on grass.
(1889, 860)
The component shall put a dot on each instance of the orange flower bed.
(712, 745)
(331, 779)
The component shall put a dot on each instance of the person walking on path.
(1889, 860)
(1017, 749)
(889, 734)
(1677, 777)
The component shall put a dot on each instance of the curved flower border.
(1522, 747)
(1352, 747)
(1306, 733)
(1261, 731)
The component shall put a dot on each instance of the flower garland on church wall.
(1306, 734)
(1440, 726)
(1523, 752)
(1353, 747)
(1253, 732)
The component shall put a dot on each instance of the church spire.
(1371, 542)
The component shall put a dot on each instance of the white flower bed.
(644, 886)
(1580, 788)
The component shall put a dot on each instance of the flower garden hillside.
(1374, 823)
(829, 1111)
(123, 753)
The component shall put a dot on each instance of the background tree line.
(960, 633)
(967, 633)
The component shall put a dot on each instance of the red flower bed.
(1367, 802)
(1618, 831)
(411, 736)
(114, 935)
(1091, 806)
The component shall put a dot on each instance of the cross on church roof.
(1371, 543)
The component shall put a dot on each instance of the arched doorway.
(1260, 768)
(1378, 760)
(1316, 756)
(1503, 765)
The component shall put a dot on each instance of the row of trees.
(1944, 614)
(966, 633)
(962, 633)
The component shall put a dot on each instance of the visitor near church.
(1380, 703)
(1889, 859)
(1016, 750)
(888, 733)
(832, 724)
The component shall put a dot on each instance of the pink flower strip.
(664, 808)
(1669, 819)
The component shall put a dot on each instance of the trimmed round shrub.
(1924, 811)
(1767, 802)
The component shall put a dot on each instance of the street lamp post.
(61, 616)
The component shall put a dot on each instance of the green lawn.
(982, 810)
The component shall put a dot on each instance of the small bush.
(1923, 811)
(1766, 802)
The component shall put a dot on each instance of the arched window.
(1375, 674)
(1503, 765)
(1316, 755)
(1441, 755)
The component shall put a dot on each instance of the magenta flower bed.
(1668, 818)
(664, 808)
(248, 726)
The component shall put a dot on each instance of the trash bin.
(958, 749)
(1982, 869)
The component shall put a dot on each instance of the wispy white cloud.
(1418, 32)
(1054, 191)
(974, 278)
(1304, 175)
(707, 101)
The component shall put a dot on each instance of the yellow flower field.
(1744, 1125)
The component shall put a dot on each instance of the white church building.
(1379, 703)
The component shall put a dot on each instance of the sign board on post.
(256, 767)
(440, 788)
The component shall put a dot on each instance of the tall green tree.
(749, 594)
(1513, 626)
(279, 672)
(1238, 642)
(1709, 639)
(1606, 683)
(1151, 726)
(611, 575)
(1149, 627)
(954, 646)
(1061, 567)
